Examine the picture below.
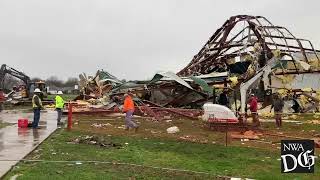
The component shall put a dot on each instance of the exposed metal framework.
(238, 37)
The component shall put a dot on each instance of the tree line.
(55, 81)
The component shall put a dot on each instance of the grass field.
(146, 153)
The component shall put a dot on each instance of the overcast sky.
(132, 39)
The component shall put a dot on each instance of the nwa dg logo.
(297, 156)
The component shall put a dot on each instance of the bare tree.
(54, 81)
(36, 79)
(71, 82)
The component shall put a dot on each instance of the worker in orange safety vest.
(128, 108)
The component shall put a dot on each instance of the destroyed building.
(247, 54)
(248, 45)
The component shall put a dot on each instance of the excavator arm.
(13, 72)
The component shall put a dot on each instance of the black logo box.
(306, 144)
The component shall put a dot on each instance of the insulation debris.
(317, 122)
(173, 130)
(246, 135)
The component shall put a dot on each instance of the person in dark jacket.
(223, 99)
(278, 104)
(296, 107)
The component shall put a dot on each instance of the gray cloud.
(130, 39)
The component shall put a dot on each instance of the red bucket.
(23, 123)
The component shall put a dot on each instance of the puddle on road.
(16, 143)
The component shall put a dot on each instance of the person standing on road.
(37, 106)
(128, 108)
(254, 110)
(59, 106)
(278, 104)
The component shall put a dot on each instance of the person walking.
(59, 106)
(128, 108)
(277, 104)
(37, 106)
(223, 99)
(254, 110)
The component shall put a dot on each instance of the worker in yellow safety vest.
(37, 106)
(59, 106)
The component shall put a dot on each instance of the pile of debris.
(159, 99)
(95, 140)
(98, 86)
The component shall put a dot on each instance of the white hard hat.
(60, 92)
(37, 90)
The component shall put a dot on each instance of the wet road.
(16, 143)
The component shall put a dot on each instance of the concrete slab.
(16, 143)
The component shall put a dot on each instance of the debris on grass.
(188, 138)
(15, 176)
(267, 115)
(173, 130)
(316, 116)
(59, 172)
(96, 125)
(314, 121)
(121, 127)
(293, 116)
(245, 136)
(155, 132)
(94, 140)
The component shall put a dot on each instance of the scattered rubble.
(15, 176)
(246, 136)
(97, 125)
(188, 138)
(314, 122)
(317, 135)
(94, 140)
